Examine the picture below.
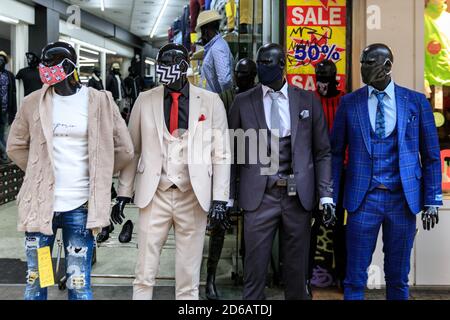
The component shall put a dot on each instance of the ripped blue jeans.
(78, 247)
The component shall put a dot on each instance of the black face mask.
(375, 73)
(269, 74)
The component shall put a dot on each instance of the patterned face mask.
(171, 74)
(55, 74)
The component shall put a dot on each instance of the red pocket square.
(202, 118)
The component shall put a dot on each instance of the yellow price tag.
(45, 267)
(345, 217)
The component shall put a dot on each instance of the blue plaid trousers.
(389, 210)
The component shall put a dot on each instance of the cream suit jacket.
(209, 154)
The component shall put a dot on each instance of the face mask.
(170, 74)
(55, 74)
(269, 74)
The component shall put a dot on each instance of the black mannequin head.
(3, 61)
(115, 68)
(32, 60)
(326, 72)
(97, 72)
(175, 54)
(376, 65)
(244, 74)
(271, 61)
(62, 52)
(131, 72)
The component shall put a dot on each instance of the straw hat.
(206, 17)
(3, 53)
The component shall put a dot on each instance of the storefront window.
(437, 76)
(88, 61)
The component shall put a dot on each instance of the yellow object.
(230, 9)
(345, 217)
(194, 37)
(439, 119)
(45, 267)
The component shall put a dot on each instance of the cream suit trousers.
(183, 212)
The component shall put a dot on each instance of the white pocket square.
(304, 114)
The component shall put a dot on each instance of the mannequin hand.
(329, 215)
(430, 217)
(218, 215)
(117, 215)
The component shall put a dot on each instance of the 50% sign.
(314, 52)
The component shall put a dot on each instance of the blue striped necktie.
(380, 125)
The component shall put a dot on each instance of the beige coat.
(208, 148)
(30, 146)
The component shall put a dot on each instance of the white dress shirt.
(390, 108)
(283, 101)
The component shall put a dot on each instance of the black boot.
(216, 240)
(211, 290)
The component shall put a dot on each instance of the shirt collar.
(212, 41)
(390, 90)
(284, 90)
(184, 91)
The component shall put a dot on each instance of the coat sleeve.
(220, 152)
(338, 147)
(18, 145)
(123, 146)
(321, 151)
(430, 155)
(128, 174)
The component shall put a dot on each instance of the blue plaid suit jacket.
(419, 153)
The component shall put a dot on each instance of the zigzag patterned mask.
(170, 74)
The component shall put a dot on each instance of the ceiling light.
(89, 51)
(150, 62)
(155, 27)
(90, 46)
(87, 64)
(102, 5)
(8, 20)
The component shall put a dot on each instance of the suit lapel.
(363, 116)
(46, 116)
(294, 109)
(258, 107)
(400, 99)
(158, 112)
(195, 103)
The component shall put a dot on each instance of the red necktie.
(174, 112)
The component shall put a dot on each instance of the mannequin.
(330, 95)
(30, 74)
(244, 74)
(183, 192)
(8, 103)
(95, 81)
(134, 84)
(394, 130)
(273, 201)
(114, 84)
(70, 175)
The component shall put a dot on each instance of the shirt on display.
(70, 150)
(390, 108)
(283, 102)
(31, 79)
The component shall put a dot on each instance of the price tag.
(45, 267)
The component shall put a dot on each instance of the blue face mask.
(269, 74)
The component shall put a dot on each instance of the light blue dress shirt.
(217, 68)
(390, 108)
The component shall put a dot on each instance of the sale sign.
(316, 30)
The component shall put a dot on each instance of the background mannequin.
(114, 84)
(8, 102)
(30, 75)
(134, 84)
(95, 81)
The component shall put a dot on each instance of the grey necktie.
(275, 119)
